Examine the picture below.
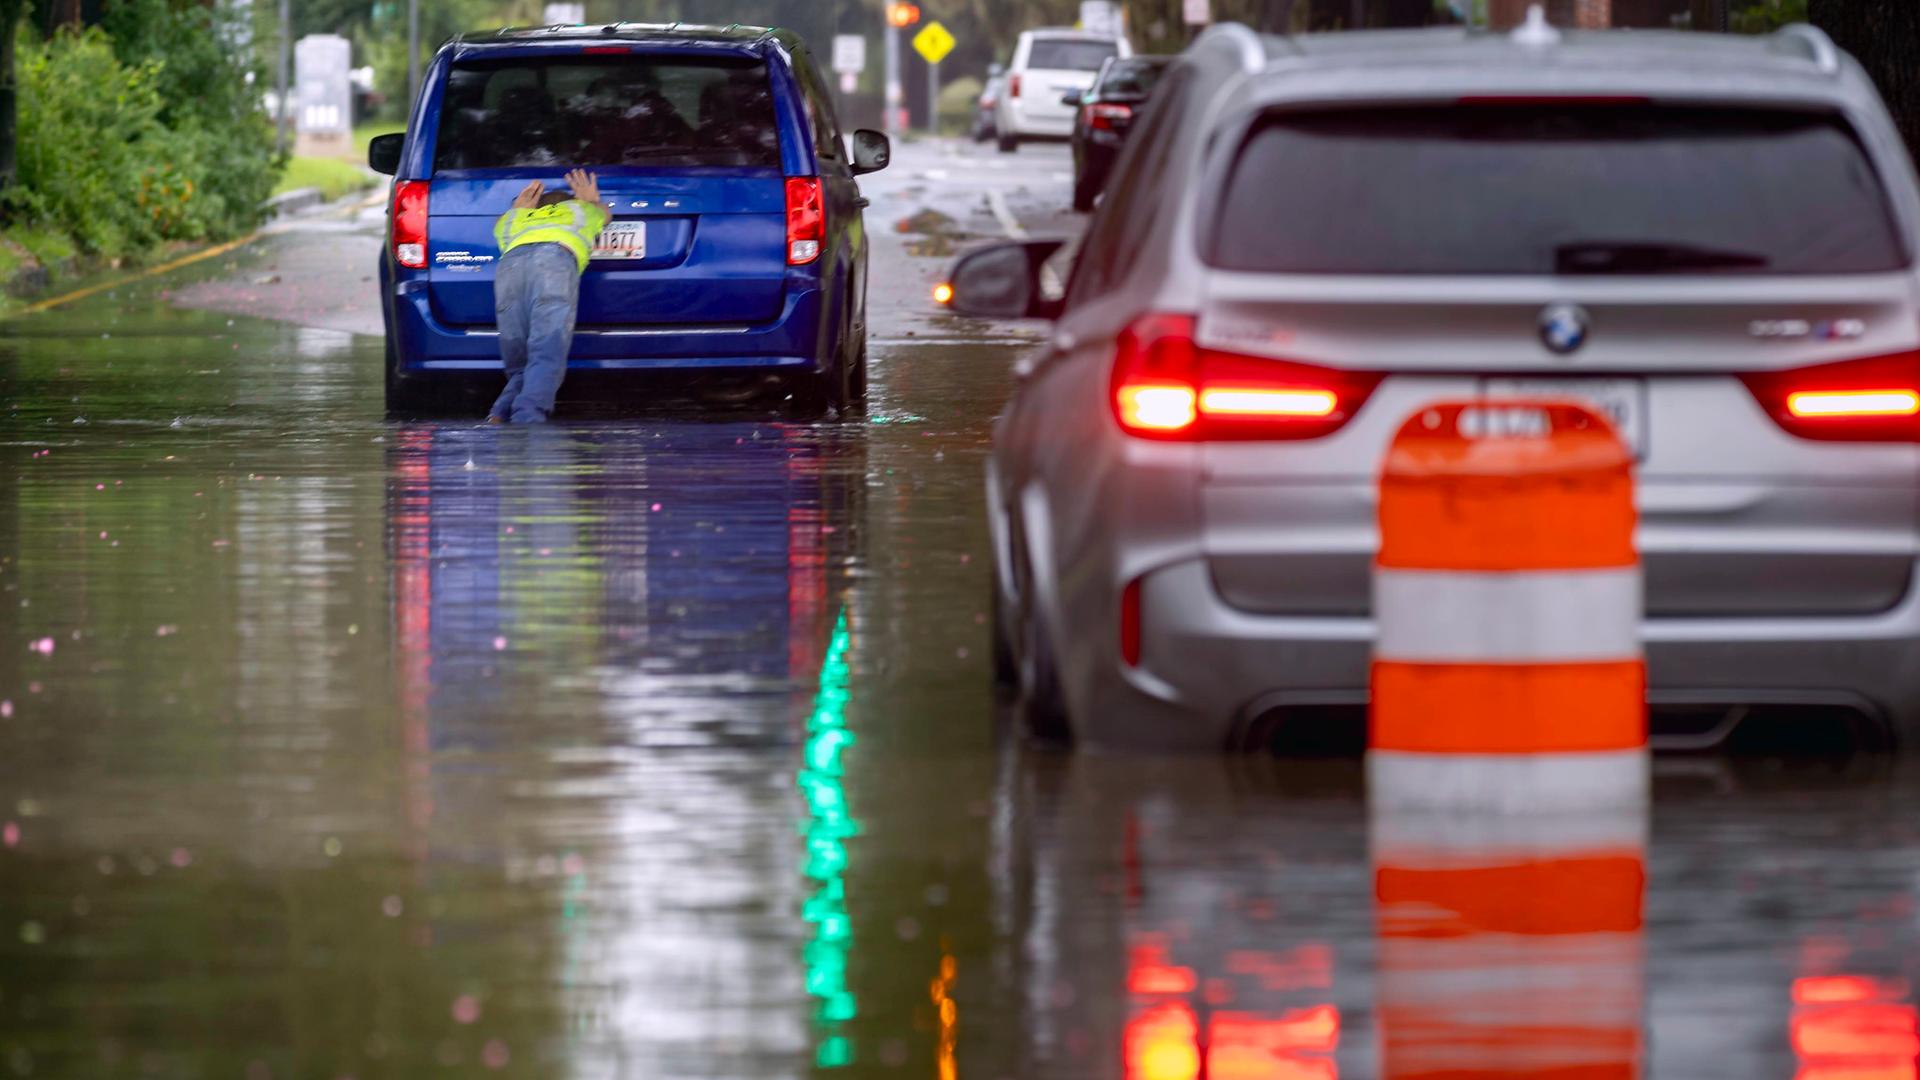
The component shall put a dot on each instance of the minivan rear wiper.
(1639, 257)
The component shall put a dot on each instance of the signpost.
(1100, 17)
(900, 15)
(933, 43)
(323, 92)
(849, 59)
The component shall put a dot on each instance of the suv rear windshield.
(1562, 189)
(607, 110)
(1131, 78)
(1069, 54)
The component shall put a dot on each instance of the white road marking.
(1008, 223)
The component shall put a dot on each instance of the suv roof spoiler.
(1808, 41)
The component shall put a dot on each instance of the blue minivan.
(736, 248)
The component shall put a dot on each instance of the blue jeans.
(536, 292)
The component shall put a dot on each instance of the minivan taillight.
(806, 221)
(1013, 86)
(1165, 386)
(410, 223)
(1874, 399)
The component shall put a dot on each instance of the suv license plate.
(1622, 401)
(622, 240)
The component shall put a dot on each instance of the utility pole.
(413, 52)
(894, 90)
(286, 62)
(933, 99)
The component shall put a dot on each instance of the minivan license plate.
(1622, 401)
(622, 240)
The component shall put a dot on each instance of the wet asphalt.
(659, 742)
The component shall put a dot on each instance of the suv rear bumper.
(1216, 664)
(423, 344)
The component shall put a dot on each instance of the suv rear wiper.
(1637, 257)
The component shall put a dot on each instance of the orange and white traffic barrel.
(1511, 945)
(1507, 667)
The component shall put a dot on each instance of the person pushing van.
(545, 242)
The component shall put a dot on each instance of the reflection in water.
(681, 578)
(1511, 946)
(828, 825)
(1854, 1027)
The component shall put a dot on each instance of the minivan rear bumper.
(1217, 663)
(422, 343)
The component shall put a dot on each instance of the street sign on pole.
(849, 54)
(933, 43)
(1100, 17)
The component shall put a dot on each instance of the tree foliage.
(1884, 35)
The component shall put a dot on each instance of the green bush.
(218, 136)
(139, 131)
(91, 145)
(957, 101)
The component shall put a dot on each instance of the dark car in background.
(736, 248)
(1105, 112)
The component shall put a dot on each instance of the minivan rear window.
(1555, 189)
(607, 110)
(1069, 54)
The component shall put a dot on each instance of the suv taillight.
(1013, 86)
(1104, 116)
(1165, 386)
(806, 221)
(410, 223)
(1874, 399)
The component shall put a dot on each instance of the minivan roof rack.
(1237, 40)
(1810, 42)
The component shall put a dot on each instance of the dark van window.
(1066, 54)
(1523, 189)
(611, 110)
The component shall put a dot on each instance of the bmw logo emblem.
(1563, 328)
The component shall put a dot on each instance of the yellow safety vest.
(572, 224)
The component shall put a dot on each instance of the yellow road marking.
(174, 264)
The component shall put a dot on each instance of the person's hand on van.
(529, 196)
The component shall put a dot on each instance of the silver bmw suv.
(1709, 237)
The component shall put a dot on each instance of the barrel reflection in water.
(1511, 947)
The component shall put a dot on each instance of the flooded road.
(662, 745)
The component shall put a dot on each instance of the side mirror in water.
(1072, 98)
(383, 153)
(871, 151)
(1007, 280)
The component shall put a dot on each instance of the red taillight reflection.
(1163, 1043)
(806, 220)
(1165, 386)
(1853, 1027)
(1875, 399)
(410, 223)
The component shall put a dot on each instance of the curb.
(297, 201)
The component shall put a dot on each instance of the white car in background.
(1049, 64)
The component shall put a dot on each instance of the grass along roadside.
(334, 178)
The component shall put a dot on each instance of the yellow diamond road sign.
(933, 43)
